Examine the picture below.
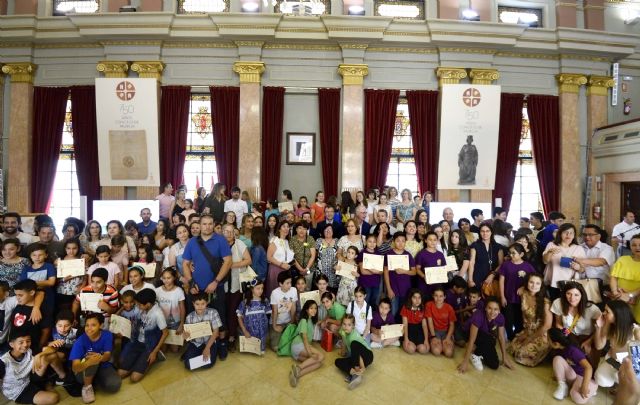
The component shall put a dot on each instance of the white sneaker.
(396, 343)
(376, 345)
(562, 391)
(476, 361)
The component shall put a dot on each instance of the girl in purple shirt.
(512, 276)
(369, 279)
(429, 257)
(398, 281)
(572, 370)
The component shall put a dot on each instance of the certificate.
(435, 275)
(309, 295)
(345, 269)
(285, 206)
(373, 262)
(198, 362)
(248, 275)
(71, 268)
(452, 264)
(400, 262)
(121, 325)
(89, 302)
(174, 339)
(149, 269)
(251, 345)
(391, 331)
(198, 330)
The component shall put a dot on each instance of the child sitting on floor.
(381, 318)
(203, 346)
(358, 353)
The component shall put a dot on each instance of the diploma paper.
(309, 295)
(345, 269)
(198, 330)
(373, 262)
(149, 269)
(247, 275)
(435, 275)
(285, 206)
(400, 262)
(71, 268)
(174, 339)
(391, 331)
(198, 362)
(452, 264)
(251, 345)
(121, 325)
(89, 302)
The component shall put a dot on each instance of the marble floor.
(394, 378)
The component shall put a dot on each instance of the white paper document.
(309, 295)
(198, 362)
(391, 331)
(120, 325)
(251, 345)
(149, 269)
(452, 264)
(399, 262)
(198, 330)
(373, 262)
(89, 302)
(71, 268)
(345, 270)
(174, 339)
(435, 275)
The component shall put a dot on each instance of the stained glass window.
(402, 166)
(200, 163)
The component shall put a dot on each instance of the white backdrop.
(468, 110)
(460, 210)
(123, 210)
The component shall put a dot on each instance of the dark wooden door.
(630, 198)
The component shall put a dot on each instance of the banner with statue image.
(469, 127)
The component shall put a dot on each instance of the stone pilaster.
(483, 76)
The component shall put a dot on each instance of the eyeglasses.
(589, 234)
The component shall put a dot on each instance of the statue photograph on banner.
(469, 128)
(127, 123)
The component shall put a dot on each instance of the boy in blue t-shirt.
(43, 273)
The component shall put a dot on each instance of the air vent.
(611, 138)
(631, 134)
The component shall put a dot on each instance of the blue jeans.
(373, 296)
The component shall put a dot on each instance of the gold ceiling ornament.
(257, 44)
(353, 74)
(450, 75)
(249, 72)
(113, 69)
(148, 69)
(571, 82)
(483, 76)
(20, 72)
(599, 85)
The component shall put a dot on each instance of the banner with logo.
(469, 123)
(127, 121)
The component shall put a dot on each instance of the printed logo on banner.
(125, 90)
(471, 97)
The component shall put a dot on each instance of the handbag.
(215, 263)
(327, 340)
(491, 289)
(286, 338)
(592, 286)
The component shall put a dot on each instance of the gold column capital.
(148, 69)
(571, 82)
(113, 69)
(249, 72)
(353, 74)
(20, 72)
(450, 75)
(483, 76)
(599, 85)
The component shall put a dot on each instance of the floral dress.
(256, 319)
(327, 260)
(524, 350)
(10, 272)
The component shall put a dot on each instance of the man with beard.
(55, 249)
(11, 226)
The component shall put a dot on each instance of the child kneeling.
(572, 370)
(202, 346)
(359, 354)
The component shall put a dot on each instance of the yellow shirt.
(627, 272)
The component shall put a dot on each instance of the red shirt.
(413, 316)
(441, 317)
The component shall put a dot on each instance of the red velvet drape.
(508, 146)
(272, 123)
(380, 107)
(423, 115)
(85, 143)
(174, 125)
(329, 112)
(544, 118)
(49, 107)
(225, 112)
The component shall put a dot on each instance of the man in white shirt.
(623, 232)
(236, 205)
(599, 256)
(381, 216)
(10, 225)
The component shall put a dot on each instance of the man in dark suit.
(338, 228)
(363, 226)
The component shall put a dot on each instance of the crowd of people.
(361, 273)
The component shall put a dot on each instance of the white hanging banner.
(469, 126)
(127, 121)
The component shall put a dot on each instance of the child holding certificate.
(369, 278)
(430, 256)
(171, 302)
(103, 254)
(382, 318)
(398, 280)
(348, 285)
(204, 346)
(253, 313)
(356, 353)
(69, 286)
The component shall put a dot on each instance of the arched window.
(402, 166)
(200, 163)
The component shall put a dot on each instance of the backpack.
(286, 338)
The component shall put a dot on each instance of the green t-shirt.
(305, 326)
(354, 336)
(337, 311)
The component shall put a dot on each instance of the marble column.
(19, 154)
(570, 177)
(594, 14)
(483, 76)
(597, 93)
(149, 70)
(449, 75)
(250, 127)
(352, 156)
(113, 69)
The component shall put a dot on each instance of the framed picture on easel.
(301, 148)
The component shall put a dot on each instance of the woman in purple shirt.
(398, 281)
(430, 256)
(513, 274)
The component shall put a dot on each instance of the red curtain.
(272, 123)
(508, 146)
(85, 143)
(379, 120)
(174, 125)
(544, 118)
(49, 108)
(225, 112)
(329, 110)
(423, 115)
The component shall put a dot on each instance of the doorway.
(630, 197)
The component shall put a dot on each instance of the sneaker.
(296, 370)
(293, 380)
(69, 379)
(347, 379)
(396, 343)
(161, 356)
(476, 361)
(222, 350)
(87, 394)
(355, 381)
(338, 344)
(376, 345)
(562, 391)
